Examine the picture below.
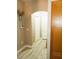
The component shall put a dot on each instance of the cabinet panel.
(56, 30)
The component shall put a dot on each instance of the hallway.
(32, 29)
(38, 51)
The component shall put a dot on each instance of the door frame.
(49, 28)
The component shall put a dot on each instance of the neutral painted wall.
(20, 24)
(28, 25)
(43, 5)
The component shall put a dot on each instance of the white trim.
(49, 28)
(26, 46)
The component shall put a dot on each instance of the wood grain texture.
(56, 33)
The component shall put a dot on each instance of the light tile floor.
(38, 51)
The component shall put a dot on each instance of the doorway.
(39, 25)
(39, 32)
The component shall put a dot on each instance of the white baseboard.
(26, 46)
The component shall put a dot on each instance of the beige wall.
(24, 36)
(43, 5)
(20, 23)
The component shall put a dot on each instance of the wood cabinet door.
(56, 30)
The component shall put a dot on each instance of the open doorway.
(39, 25)
(40, 32)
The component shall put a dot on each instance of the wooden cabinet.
(56, 30)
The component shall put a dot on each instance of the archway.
(39, 25)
